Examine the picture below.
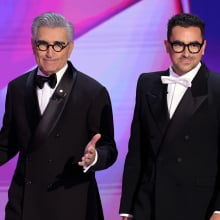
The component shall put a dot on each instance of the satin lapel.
(31, 103)
(190, 103)
(157, 99)
(56, 106)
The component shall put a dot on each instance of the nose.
(186, 52)
(49, 51)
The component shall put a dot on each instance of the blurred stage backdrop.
(115, 41)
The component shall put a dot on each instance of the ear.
(71, 46)
(167, 46)
(203, 47)
(33, 45)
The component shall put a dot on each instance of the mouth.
(185, 60)
(50, 60)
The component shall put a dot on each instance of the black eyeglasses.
(58, 46)
(179, 47)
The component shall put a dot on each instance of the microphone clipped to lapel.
(59, 94)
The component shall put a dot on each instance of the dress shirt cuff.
(126, 215)
(86, 168)
(218, 212)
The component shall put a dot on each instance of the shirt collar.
(190, 75)
(59, 73)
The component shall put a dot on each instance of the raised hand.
(90, 151)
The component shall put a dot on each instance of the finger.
(94, 140)
(81, 163)
(84, 162)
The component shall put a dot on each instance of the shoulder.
(89, 87)
(214, 82)
(87, 80)
(84, 80)
(214, 77)
(147, 79)
(20, 80)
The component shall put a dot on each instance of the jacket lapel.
(31, 103)
(157, 99)
(55, 106)
(190, 103)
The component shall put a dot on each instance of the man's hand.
(129, 218)
(215, 216)
(90, 151)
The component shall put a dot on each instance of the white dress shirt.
(46, 92)
(176, 91)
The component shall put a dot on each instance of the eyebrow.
(43, 41)
(192, 42)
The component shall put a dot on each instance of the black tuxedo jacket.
(172, 166)
(48, 183)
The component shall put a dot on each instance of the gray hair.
(50, 19)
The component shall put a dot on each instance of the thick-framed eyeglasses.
(179, 47)
(58, 46)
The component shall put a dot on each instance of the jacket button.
(57, 135)
(49, 185)
(28, 182)
(179, 159)
(50, 161)
(186, 137)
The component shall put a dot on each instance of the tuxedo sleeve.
(132, 167)
(7, 137)
(100, 120)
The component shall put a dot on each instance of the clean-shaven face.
(50, 61)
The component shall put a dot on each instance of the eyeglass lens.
(57, 46)
(193, 47)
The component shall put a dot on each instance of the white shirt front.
(46, 92)
(176, 91)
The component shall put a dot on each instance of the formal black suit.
(171, 169)
(47, 183)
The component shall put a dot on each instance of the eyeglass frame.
(186, 45)
(56, 43)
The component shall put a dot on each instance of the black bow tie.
(40, 80)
